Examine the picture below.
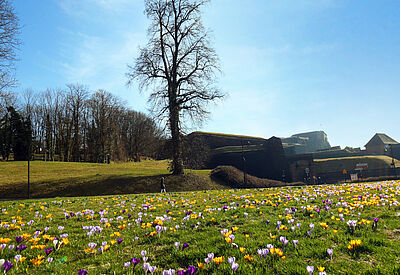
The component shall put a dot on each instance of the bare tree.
(179, 65)
(9, 42)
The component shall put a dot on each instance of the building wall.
(269, 162)
(376, 149)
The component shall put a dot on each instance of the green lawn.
(49, 179)
(349, 163)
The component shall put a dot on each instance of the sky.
(288, 66)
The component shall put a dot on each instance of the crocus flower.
(19, 239)
(7, 266)
(231, 260)
(177, 244)
(146, 267)
(152, 269)
(143, 253)
(48, 250)
(169, 272)
(127, 264)
(191, 270)
(135, 261)
(235, 266)
(330, 252)
(17, 258)
(185, 245)
(22, 247)
(310, 269)
(49, 260)
(119, 241)
(82, 272)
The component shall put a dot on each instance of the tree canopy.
(178, 65)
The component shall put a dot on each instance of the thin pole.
(243, 163)
(29, 153)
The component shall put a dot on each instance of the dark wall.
(268, 162)
(396, 151)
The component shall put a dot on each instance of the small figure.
(163, 185)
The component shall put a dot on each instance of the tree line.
(74, 124)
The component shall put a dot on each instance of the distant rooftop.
(226, 135)
(380, 138)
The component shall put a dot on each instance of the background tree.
(179, 65)
(9, 42)
(20, 135)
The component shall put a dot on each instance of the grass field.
(349, 163)
(49, 179)
(345, 229)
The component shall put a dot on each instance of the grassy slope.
(349, 163)
(50, 179)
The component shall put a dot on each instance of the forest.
(75, 124)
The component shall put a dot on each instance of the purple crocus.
(19, 239)
(135, 261)
(152, 269)
(7, 266)
(22, 247)
(82, 272)
(235, 266)
(146, 267)
(17, 258)
(127, 264)
(119, 241)
(185, 245)
(310, 269)
(169, 272)
(191, 270)
(48, 251)
(330, 252)
(375, 224)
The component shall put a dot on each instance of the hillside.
(51, 179)
(349, 163)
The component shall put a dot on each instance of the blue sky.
(288, 66)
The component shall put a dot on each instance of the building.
(304, 143)
(381, 144)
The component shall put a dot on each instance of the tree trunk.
(177, 162)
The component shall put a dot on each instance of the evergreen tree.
(20, 135)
